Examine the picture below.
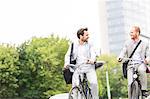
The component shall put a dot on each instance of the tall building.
(104, 44)
(121, 15)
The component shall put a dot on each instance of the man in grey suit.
(141, 53)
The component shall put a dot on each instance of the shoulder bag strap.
(135, 48)
(71, 52)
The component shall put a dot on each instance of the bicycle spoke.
(75, 93)
(89, 95)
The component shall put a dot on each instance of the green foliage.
(9, 71)
(118, 85)
(41, 62)
(34, 70)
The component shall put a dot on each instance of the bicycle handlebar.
(97, 64)
(131, 59)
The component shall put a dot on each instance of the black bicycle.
(82, 91)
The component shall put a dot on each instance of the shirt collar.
(83, 43)
(135, 42)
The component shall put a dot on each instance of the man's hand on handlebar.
(90, 61)
(65, 66)
(119, 59)
(145, 61)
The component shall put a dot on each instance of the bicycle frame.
(135, 93)
(83, 86)
(135, 87)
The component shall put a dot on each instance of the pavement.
(65, 96)
(148, 97)
(60, 96)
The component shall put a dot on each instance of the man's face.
(134, 34)
(85, 36)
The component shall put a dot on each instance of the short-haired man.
(83, 52)
(141, 53)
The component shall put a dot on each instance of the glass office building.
(121, 15)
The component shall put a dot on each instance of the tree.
(118, 85)
(41, 62)
(9, 71)
(33, 70)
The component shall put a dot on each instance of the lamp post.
(107, 81)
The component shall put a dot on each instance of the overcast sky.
(20, 20)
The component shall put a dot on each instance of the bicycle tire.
(140, 94)
(134, 90)
(76, 93)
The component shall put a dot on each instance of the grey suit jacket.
(128, 48)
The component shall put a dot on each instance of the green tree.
(41, 62)
(34, 70)
(9, 71)
(118, 85)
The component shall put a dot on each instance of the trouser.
(142, 76)
(91, 76)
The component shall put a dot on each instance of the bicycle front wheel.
(140, 94)
(88, 93)
(76, 93)
(134, 90)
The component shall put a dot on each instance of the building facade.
(121, 15)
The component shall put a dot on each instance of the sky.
(20, 20)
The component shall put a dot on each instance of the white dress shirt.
(81, 53)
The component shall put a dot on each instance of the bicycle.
(82, 91)
(135, 91)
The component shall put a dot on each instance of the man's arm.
(67, 57)
(93, 55)
(122, 53)
(147, 54)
